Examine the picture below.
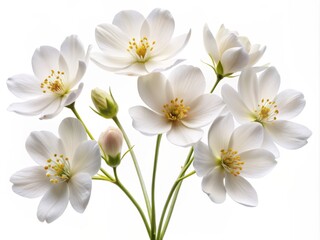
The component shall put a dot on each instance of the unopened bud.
(104, 102)
(110, 142)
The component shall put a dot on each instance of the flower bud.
(110, 142)
(104, 102)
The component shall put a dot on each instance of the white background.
(288, 197)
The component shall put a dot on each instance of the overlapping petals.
(178, 105)
(258, 100)
(66, 165)
(230, 156)
(56, 73)
(136, 45)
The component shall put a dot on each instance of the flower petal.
(246, 137)
(183, 136)
(257, 163)
(203, 110)
(187, 83)
(219, 134)
(235, 104)
(72, 134)
(210, 44)
(81, 70)
(152, 90)
(241, 191)
(152, 65)
(288, 134)
(248, 88)
(269, 145)
(212, 184)
(234, 60)
(44, 60)
(86, 158)
(42, 145)
(227, 40)
(256, 53)
(204, 161)
(30, 182)
(24, 86)
(269, 83)
(148, 122)
(80, 191)
(53, 109)
(290, 104)
(161, 25)
(54, 203)
(110, 62)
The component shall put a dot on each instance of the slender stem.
(219, 78)
(174, 188)
(134, 159)
(186, 176)
(153, 185)
(119, 184)
(73, 109)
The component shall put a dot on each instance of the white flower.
(66, 165)
(230, 156)
(56, 73)
(178, 105)
(230, 52)
(258, 100)
(136, 45)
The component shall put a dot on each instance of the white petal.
(82, 67)
(241, 191)
(187, 82)
(24, 86)
(248, 88)
(246, 137)
(255, 54)
(227, 41)
(288, 134)
(219, 134)
(30, 182)
(44, 60)
(204, 161)
(135, 69)
(183, 136)
(72, 96)
(257, 163)
(173, 47)
(203, 111)
(72, 51)
(72, 133)
(152, 90)
(42, 146)
(235, 104)
(53, 109)
(161, 25)
(54, 203)
(80, 191)
(269, 145)
(148, 122)
(234, 60)
(86, 158)
(112, 40)
(290, 104)
(154, 65)
(210, 44)
(212, 184)
(129, 21)
(269, 83)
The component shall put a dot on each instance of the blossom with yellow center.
(258, 100)
(231, 155)
(135, 45)
(178, 105)
(56, 73)
(66, 166)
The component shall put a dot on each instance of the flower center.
(267, 111)
(53, 83)
(175, 110)
(58, 169)
(140, 49)
(230, 160)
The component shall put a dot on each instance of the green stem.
(73, 109)
(186, 176)
(174, 188)
(219, 78)
(153, 185)
(134, 159)
(119, 184)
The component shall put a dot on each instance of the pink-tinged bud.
(110, 142)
